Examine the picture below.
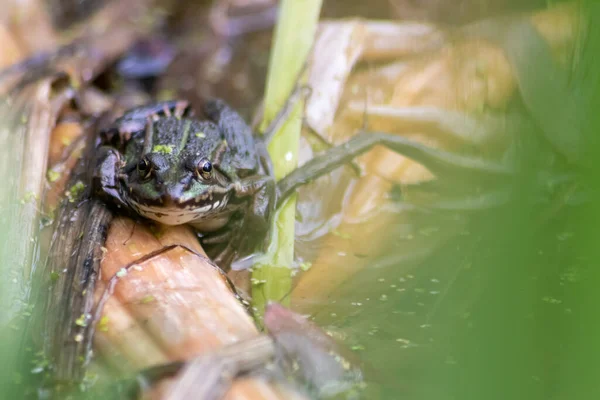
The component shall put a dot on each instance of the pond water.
(486, 315)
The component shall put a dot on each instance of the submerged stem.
(294, 35)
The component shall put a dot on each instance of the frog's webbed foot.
(178, 108)
(257, 218)
(247, 233)
(105, 176)
(443, 164)
(233, 249)
(255, 234)
(222, 246)
(224, 258)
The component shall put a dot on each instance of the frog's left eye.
(144, 168)
(205, 169)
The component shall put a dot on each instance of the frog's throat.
(179, 216)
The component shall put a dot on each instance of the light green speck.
(163, 148)
(200, 135)
(257, 282)
(81, 321)
(147, 299)
(103, 324)
(343, 235)
(165, 94)
(53, 175)
(305, 266)
(28, 198)
(551, 300)
(75, 191)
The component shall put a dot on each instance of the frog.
(162, 163)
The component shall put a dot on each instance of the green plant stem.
(294, 35)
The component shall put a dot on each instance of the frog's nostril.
(172, 195)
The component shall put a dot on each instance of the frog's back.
(187, 136)
(175, 138)
(227, 142)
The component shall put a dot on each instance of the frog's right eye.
(144, 168)
(204, 169)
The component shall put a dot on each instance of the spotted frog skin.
(163, 164)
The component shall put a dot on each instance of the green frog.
(162, 163)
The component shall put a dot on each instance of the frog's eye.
(144, 168)
(205, 169)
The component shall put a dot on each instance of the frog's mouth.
(178, 215)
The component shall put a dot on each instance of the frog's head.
(175, 187)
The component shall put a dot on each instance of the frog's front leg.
(223, 246)
(250, 233)
(105, 176)
(261, 189)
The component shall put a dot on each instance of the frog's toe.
(247, 262)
